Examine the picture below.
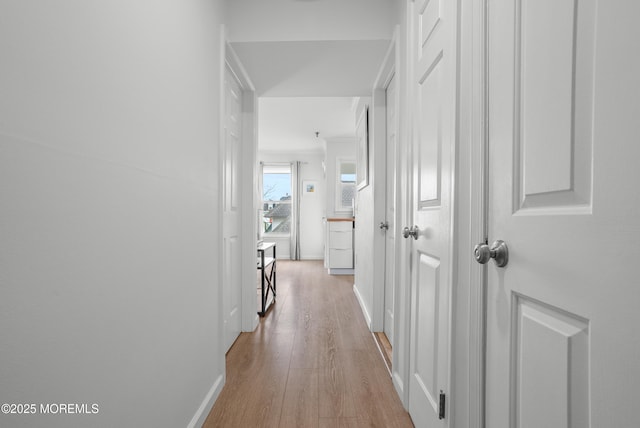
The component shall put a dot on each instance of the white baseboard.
(203, 411)
(367, 317)
(341, 271)
(399, 385)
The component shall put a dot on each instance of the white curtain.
(295, 210)
(260, 203)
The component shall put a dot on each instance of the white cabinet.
(339, 246)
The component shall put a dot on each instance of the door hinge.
(441, 405)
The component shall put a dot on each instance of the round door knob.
(407, 232)
(498, 251)
(482, 253)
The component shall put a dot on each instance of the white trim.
(378, 166)
(354, 105)
(341, 271)
(233, 61)
(248, 181)
(203, 411)
(478, 214)
(467, 398)
(220, 177)
(398, 383)
(367, 317)
(241, 230)
(378, 177)
(402, 309)
(387, 69)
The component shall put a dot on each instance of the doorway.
(231, 221)
(385, 338)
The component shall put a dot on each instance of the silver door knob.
(384, 225)
(407, 232)
(498, 252)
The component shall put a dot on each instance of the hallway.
(310, 363)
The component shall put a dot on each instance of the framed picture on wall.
(309, 187)
(362, 149)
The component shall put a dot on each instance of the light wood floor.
(310, 363)
(385, 347)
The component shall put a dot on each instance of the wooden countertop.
(341, 219)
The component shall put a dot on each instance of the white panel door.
(563, 344)
(232, 290)
(434, 85)
(390, 210)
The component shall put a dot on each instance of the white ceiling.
(309, 86)
(289, 20)
(312, 68)
(289, 124)
(306, 60)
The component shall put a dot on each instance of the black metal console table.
(267, 268)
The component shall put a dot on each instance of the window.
(346, 185)
(276, 200)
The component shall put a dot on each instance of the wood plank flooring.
(385, 347)
(311, 362)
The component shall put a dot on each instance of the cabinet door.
(340, 259)
(342, 226)
(341, 240)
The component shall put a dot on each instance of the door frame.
(468, 317)
(468, 395)
(468, 306)
(248, 183)
(378, 113)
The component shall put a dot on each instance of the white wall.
(364, 240)
(312, 206)
(109, 212)
(286, 20)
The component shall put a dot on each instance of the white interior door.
(390, 210)
(562, 316)
(433, 30)
(232, 289)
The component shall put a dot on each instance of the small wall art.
(309, 187)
